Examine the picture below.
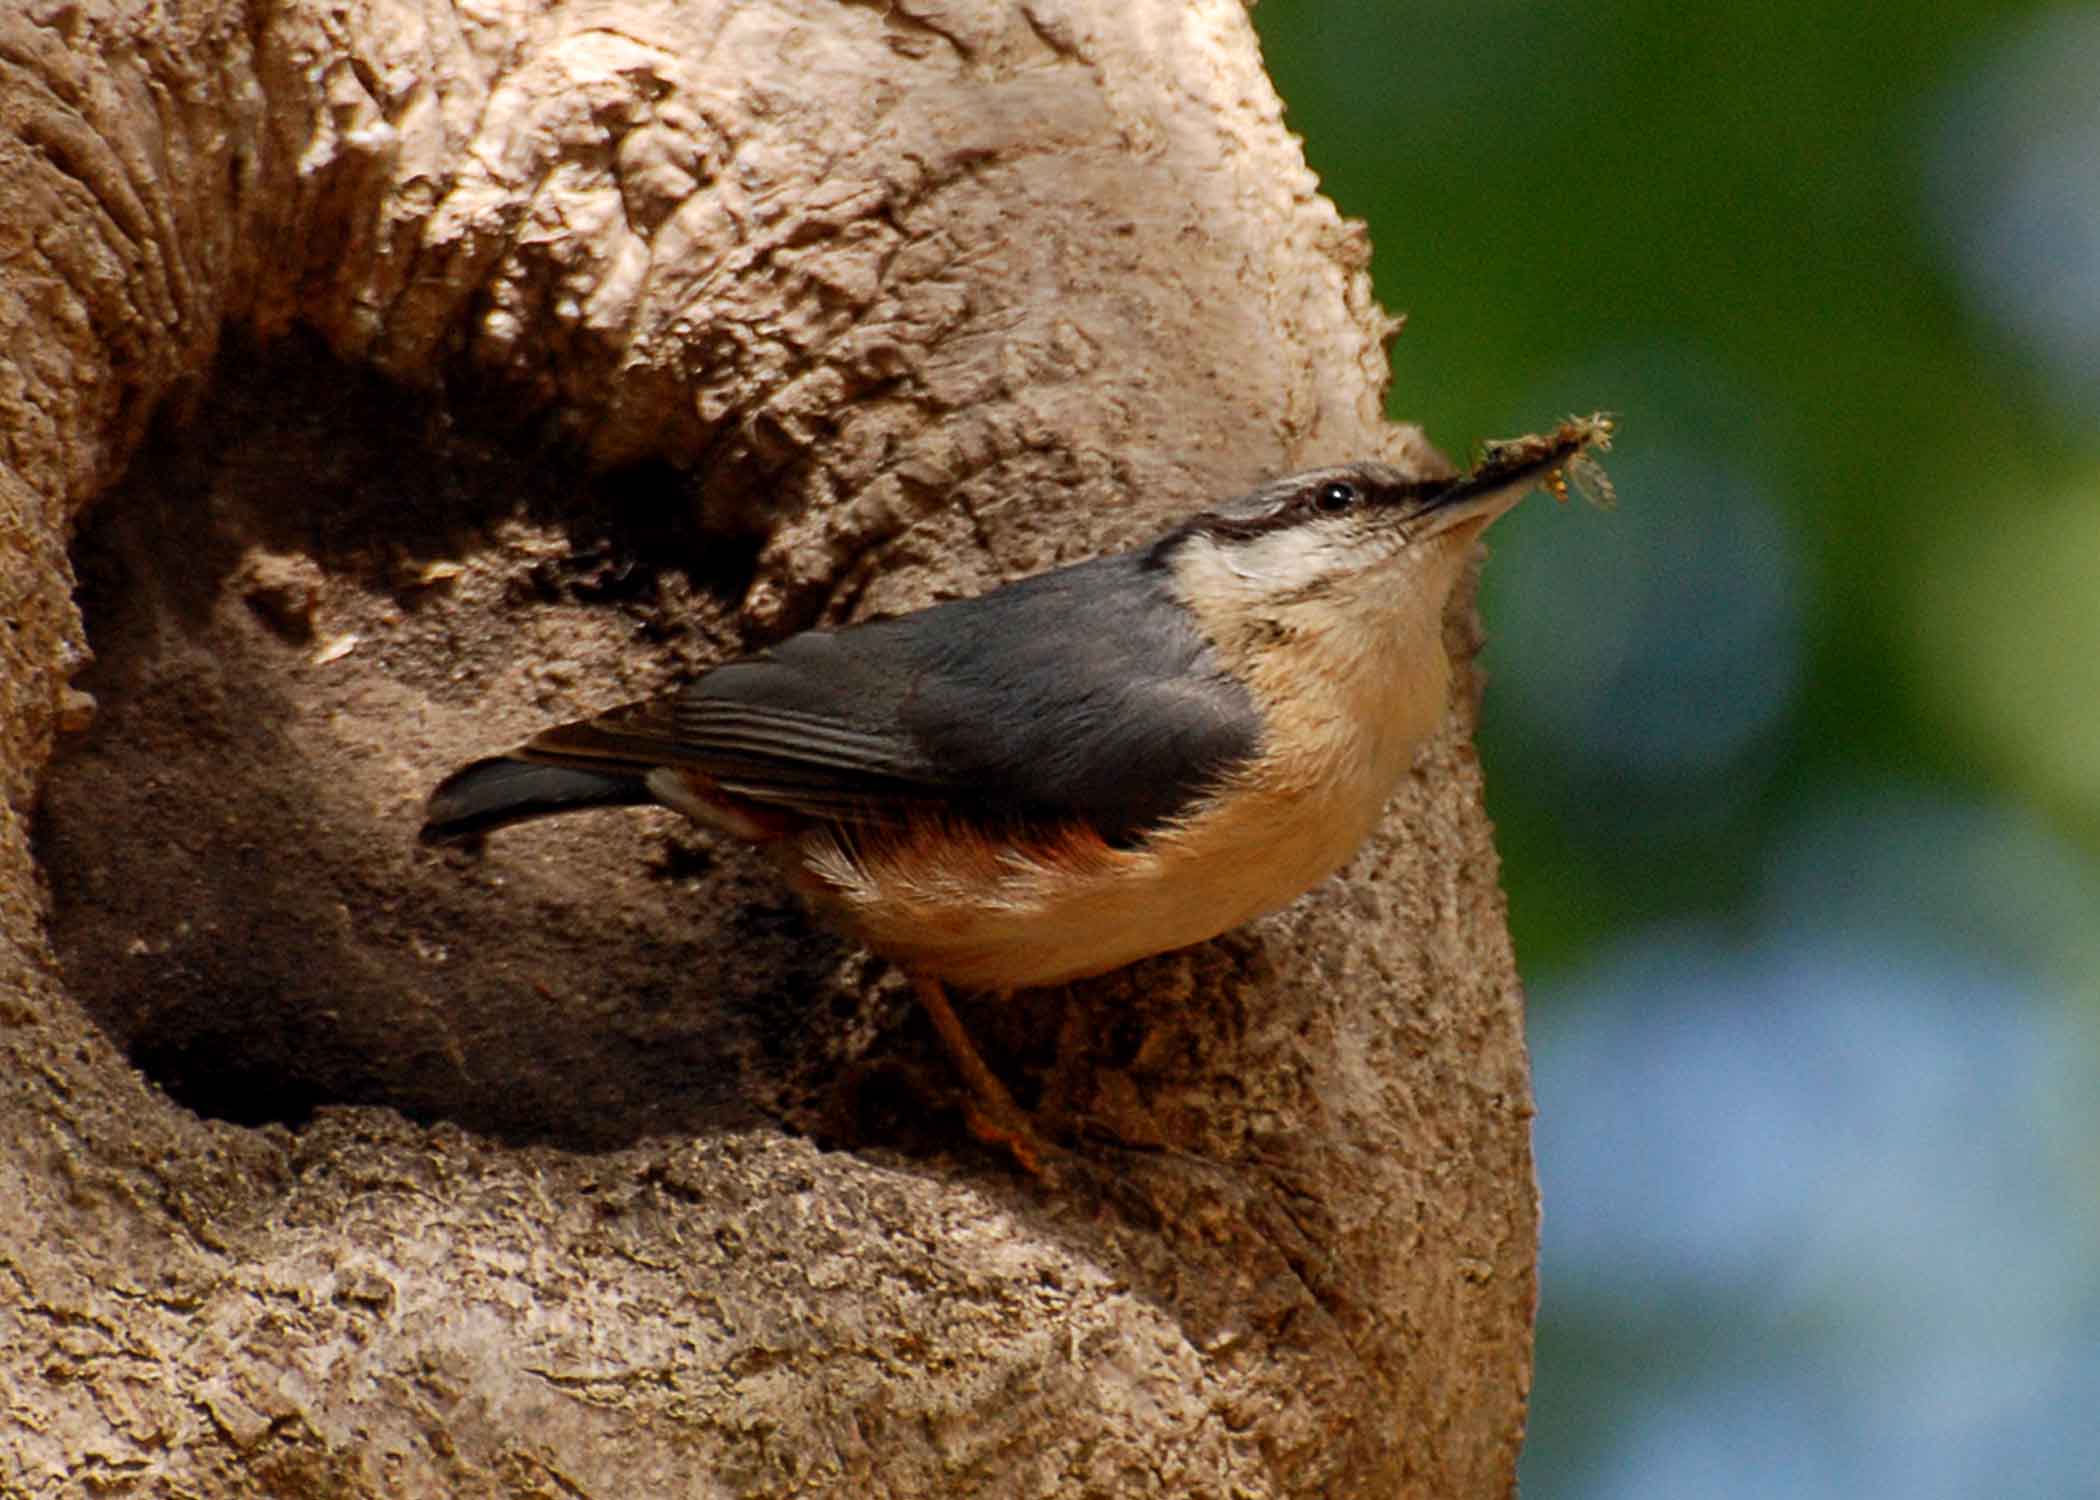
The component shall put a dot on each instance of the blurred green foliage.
(1795, 757)
(1560, 195)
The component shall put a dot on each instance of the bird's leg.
(991, 1113)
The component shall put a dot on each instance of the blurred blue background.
(1795, 756)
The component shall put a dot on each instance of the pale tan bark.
(857, 303)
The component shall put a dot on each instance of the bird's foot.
(988, 1110)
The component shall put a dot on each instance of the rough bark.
(565, 347)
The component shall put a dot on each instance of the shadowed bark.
(381, 380)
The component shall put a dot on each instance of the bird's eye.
(1336, 496)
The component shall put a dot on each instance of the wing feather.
(1083, 695)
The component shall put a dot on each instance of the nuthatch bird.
(1078, 769)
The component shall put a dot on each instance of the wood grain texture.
(424, 363)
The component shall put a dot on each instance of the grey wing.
(1083, 695)
(812, 725)
(786, 728)
(1086, 693)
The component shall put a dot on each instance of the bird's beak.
(1471, 503)
(1506, 473)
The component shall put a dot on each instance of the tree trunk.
(570, 347)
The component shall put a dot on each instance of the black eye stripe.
(1296, 501)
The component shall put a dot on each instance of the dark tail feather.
(492, 793)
